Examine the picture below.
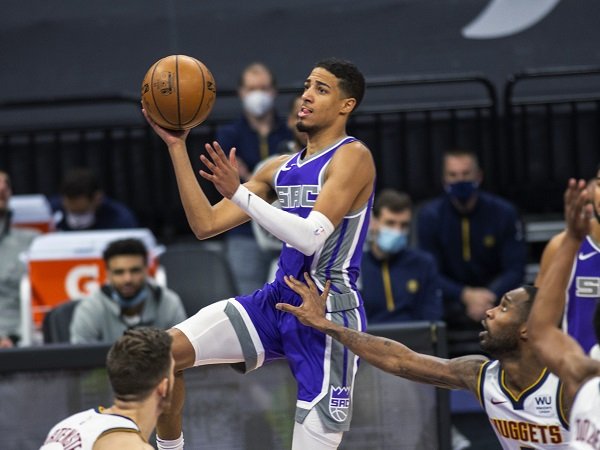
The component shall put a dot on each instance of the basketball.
(178, 92)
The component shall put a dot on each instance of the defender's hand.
(312, 310)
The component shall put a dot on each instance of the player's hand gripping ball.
(178, 92)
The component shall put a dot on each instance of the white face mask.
(258, 103)
(80, 221)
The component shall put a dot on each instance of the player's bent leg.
(169, 427)
(312, 434)
(211, 336)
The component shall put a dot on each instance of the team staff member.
(477, 240)
(399, 283)
(509, 387)
(128, 300)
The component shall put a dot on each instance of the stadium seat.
(199, 273)
(57, 321)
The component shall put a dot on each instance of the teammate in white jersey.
(140, 370)
(563, 355)
(525, 403)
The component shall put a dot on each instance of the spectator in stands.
(583, 291)
(13, 241)
(477, 240)
(398, 283)
(140, 369)
(129, 299)
(256, 135)
(82, 205)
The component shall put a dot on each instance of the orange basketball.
(178, 92)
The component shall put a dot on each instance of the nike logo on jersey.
(497, 402)
(584, 256)
(285, 169)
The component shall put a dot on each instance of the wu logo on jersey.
(339, 403)
(543, 400)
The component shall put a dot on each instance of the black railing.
(552, 127)
(407, 122)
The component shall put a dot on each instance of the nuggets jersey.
(585, 417)
(80, 431)
(532, 420)
(297, 183)
(583, 293)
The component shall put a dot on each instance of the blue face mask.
(391, 241)
(130, 302)
(462, 190)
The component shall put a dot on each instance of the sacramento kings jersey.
(585, 417)
(297, 183)
(533, 419)
(583, 294)
(80, 431)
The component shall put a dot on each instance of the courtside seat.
(57, 322)
(199, 273)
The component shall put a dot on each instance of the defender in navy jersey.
(325, 192)
(583, 289)
(563, 355)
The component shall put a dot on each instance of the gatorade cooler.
(31, 211)
(68, 265)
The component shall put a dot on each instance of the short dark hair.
(138, 361)
(391, 199)
(352, 81)
(80, 182)
(128, 247)
(526, 305)
(460, 152)
(256, 65)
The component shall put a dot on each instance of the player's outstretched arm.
(386, 354)
(205, 219)
(557, 350)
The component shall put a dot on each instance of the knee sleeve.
(312, 434)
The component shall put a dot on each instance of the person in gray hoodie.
(129, 299)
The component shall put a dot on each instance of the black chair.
(199, 273)
(55, 327)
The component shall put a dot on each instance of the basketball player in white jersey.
(523, 401)
(583, 290)
(563, 355)
(140, 369)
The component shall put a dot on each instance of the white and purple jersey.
(323, 368)
(297, 183)
(583, 293)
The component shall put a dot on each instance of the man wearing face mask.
(128, 300)
(256, 135)
(398, 283)
(82, 205)
(13, 241)
(477, 240)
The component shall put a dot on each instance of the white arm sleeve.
(306, 235)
